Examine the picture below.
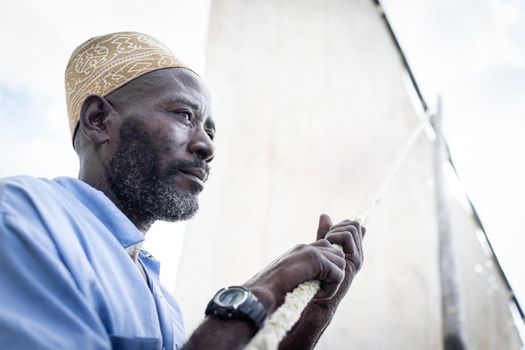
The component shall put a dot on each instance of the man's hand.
(317, 261)
(349, 235)
(320, 311)
(333, 267)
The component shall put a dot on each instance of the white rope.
(287, 315)
(399, 157)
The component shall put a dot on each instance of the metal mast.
(453, 319)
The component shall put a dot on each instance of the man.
(72, 272)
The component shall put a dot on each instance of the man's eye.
(185, 114)
(211, 135)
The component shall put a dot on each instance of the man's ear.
(94, 119)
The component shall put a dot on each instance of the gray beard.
(135, 180)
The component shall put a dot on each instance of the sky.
(471, 52)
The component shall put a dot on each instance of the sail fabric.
(312, 102)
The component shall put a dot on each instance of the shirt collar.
(104, 209)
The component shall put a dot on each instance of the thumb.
(324, 226)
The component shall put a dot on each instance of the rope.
(400, 156)
(287, 315)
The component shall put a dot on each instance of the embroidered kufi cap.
(104, 63)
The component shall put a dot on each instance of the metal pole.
(453, 320)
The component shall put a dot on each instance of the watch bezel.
(236, 305)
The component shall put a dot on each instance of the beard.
(136, 180)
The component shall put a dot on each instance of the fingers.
(351, 245)
(346, 223)
(346, 239)
(324, 226)
(331, 276)
(331, 252)
(353, 251)
(331, 263)
(351, 226)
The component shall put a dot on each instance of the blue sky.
(20, 111)
(32, 140)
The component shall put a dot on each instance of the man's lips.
(197, 174)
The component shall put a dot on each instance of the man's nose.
(202, 146)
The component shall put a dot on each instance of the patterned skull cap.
(105, 63)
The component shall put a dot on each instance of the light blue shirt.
(66, 279)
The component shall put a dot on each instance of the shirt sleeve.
(40, 304)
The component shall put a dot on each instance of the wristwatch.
(237, 302)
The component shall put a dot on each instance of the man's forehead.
(175, 81)
(171, 85)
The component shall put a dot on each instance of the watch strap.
(254, 310)
(251, 309)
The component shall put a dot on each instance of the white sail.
(312, 102)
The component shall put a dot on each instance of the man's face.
(165, 143)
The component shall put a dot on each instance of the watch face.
(231, 297)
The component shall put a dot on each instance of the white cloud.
(494, 44)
